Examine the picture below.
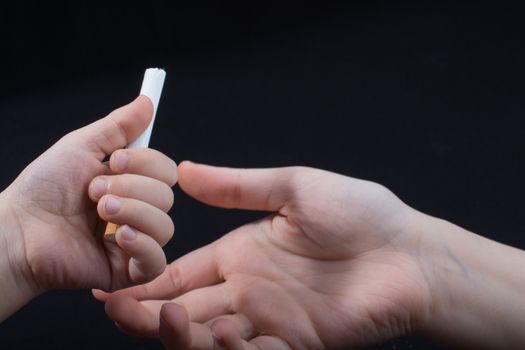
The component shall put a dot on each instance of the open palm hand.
(335, 264)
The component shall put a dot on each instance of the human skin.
(51, 234)
(339, 262)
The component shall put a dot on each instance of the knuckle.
(175, 278)
(162, 265)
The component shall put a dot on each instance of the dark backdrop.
(425, 97)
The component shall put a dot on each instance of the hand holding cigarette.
(51, 218)
(152, 88)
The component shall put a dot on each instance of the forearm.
(478, 291)
(15, 289)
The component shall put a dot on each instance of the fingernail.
(127, 233)
(112, 205)
(121, 160)
(99, 187)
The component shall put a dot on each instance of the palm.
(61, 221)
(322, 290)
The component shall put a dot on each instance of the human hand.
(51, 216)
(337, 263)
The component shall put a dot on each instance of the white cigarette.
(152, 88)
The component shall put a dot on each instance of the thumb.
(117, 129)
(253, 189)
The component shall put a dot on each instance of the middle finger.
(142, 188)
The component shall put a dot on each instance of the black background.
(425, 97)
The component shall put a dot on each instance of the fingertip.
(147, 259)
(172, 314)
(226, 333)
(186, 170)
(126, 235)
(174, 175)
(132, 119)
(186, 165)
(144, 107)
(174, 326)
(117, 306)
(171, 176)
(100, 295)
(130, 316)
(223, 327)
(97, 188)
(119, 161)
(108, 206)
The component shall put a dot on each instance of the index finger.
(146, 162)
(252, 189)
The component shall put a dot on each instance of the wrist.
(422, 243)
(18, 285)
(476, 288)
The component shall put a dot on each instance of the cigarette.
(151, 88)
